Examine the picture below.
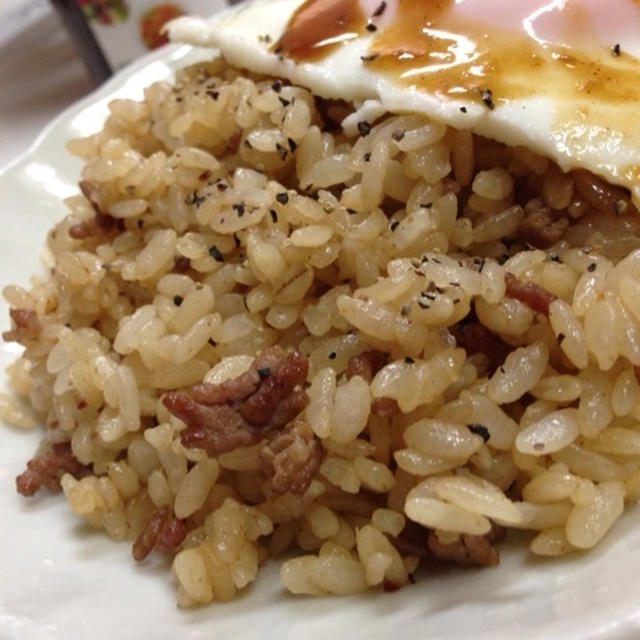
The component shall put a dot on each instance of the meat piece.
(476, 338)
(366, 364)
(384, 407)
(181, 264)
(601, 196)
(27, 326)
(164, 532)
(530, 293)
(540, 228)
(241, 411)
(98, 225)
(467, 550)
(291, 458)
(47, 469)
(412, 540)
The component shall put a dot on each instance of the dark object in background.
(74, 20)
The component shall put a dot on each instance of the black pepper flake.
(503, 258)
(140, 223)
(615, 50)
(351, 212)
(367, 156)
(194, 198)
(380, 10)
(282, 152)
(333, 355)
(427, 205)
(221, 186)
(463, 109)
(429, 296)
(277, 86)
(370, 57)
(437, 261)
(423, 305)
(278, 49)
(592, 267)
(371, 27)
(214, 95)
(282, 197)
(409, 360)
(561, 337)
(274, 215)
(178, 300)
(212, 342)
(405, 310)
(239, 209)
(454, 284)
(479, 430)
(397, 135)
(292, 144)
(394, 225)
(364, 128)
(487, 98)
(214, 252)
(236, 239)
(264, 372)
(247, 144)
(538, 446)
(284, 102)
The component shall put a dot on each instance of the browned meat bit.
(467, 550)
(291, 458)
(100, 224)
(539, 227)
(27, 326)
(384, 407)
(602, 196)
(164, 532)
(412, 541)
(476, 338)
(530, 293)
(366, 364)
(240, 412)
(47, 469)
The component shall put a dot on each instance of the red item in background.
(104, 11)
(152, 22)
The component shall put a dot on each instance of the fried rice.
(363, 348)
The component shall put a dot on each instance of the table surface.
(41, 73)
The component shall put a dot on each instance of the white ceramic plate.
(61, 580)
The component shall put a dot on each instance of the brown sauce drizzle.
(432, 46)
(318, 27)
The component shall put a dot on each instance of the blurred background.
(54, 52)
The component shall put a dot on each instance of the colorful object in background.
(104, 11)
(152, 22)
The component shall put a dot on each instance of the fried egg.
(560, 77)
